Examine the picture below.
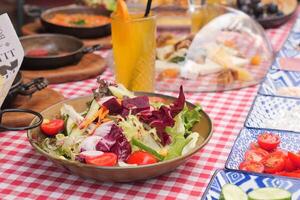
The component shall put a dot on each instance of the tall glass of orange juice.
(134, 46)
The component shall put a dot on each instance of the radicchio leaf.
(103, 129)
(113, 106)
(89, 143)
(159, 119)
(178, 105)
(115, 142)
(136, 104)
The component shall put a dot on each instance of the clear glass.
(134, 45)
(227, 28)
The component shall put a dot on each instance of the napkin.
(11, 55)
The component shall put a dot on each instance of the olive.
(240, 3)
(255, 1)
(272, 8)
(258, 10)
(279, 13)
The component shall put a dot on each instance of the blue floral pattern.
(266, 108)
(248, 182)
(276, 79)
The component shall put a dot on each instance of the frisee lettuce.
(184, 121)
(132, 127)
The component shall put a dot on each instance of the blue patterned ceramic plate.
(277, 79)
(289, 141)
(266, 112)
(288, 53)
(293, 42)
(296, 27)
(248, 182)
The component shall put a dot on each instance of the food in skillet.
(266, 156)
(79, 20)
(121, 129)
(233, 192)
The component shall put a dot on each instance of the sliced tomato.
(295, 158)
(275, 162)
(297, 171)
(256, 155)
(52, 127)
(141, 158)
(254, 145)
(268, 141)
(37, 53)
(106, 159)
(252, 166)
(289, 165)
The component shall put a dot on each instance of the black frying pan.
(62, 50)
(25, 89)
(20, 88)
(81, 32)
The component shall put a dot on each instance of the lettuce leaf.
(184, 121)
(115, 142)
(191, 117)
(176, 147)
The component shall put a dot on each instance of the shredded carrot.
(256, 60)
(230, 43)
(168, 73)
(105, 120)
(102, 112)
(119, 101)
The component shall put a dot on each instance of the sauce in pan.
(79, 20)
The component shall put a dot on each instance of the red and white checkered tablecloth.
(24, 174)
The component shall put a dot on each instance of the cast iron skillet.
(63, 50)
(26, 89)
(81, 32)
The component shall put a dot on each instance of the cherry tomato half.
(106, 159)
(256, 155)
(295, 158)
(268, 141)
(254, 145)
(252, 166)
(275, 162)
(289, 165)
(141, 158)
(52, 127)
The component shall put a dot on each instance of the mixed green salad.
(121, 129)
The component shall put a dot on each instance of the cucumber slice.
(269, 193)
(120, 91)
(93, 109)
(69, 125)
(146, 148)
(233, 192)
(76, 132)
